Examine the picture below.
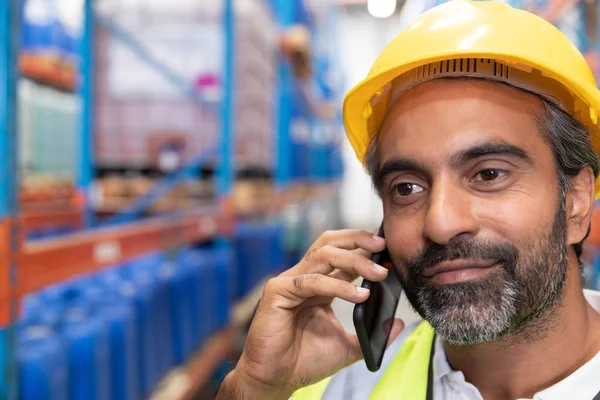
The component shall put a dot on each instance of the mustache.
(472, 249)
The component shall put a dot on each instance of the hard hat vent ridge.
(460, 66)
(486, 68)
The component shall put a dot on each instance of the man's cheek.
(402, 269)
(404, 241)
(514, 220)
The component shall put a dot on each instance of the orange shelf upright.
(7, 292)
(51, 261)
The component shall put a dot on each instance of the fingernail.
(362, 290)
(378, 238)
(380, 268)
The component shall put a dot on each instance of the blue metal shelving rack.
(284, 11)
(86, 92)
(10, 21)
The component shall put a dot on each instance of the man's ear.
(580, 201)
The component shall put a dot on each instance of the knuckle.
(299, 281)
(314, 278)
(311, 280)
(364, 235)
(270, 285)
(343, 285)
(310, 255)
(328, 234)
(327, 250)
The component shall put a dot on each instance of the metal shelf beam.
(47, 262)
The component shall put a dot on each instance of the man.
(477, 125)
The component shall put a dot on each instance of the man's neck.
(520, 365)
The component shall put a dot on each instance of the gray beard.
(523, 291)
(460, 322)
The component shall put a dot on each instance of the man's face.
(473, 217)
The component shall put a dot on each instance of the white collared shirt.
(582, 384)
(356, 382)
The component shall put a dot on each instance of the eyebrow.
(493, 149)
(400, 164)
(396, 165)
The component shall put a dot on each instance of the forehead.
(437, 118)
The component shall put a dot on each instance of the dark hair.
(568, 139)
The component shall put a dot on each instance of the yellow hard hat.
(485, 39)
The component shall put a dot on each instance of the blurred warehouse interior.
(171, 156)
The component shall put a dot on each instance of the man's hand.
(295, 339)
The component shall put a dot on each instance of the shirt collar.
(581, 384)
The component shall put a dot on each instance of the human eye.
(404, 193)
(489, 175)
(405, 189)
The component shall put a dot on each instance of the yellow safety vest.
(406, 376)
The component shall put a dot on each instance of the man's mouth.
(456, 271)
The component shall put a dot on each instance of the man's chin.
(469, 325)
(468, 313)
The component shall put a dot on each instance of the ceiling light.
(381, 8)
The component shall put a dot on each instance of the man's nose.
(450, 213)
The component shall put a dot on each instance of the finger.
(327, 258)
(343, 275)
(362, 252)
(291, 291)
(350, 239)
(365, 253)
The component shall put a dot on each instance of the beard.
(524, 286)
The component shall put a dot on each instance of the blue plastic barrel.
(181, 297)
(159, 267)
(199, 264)
(43, 367)
(87, 340)
(263, 251)
(31, 309)
(118, 313)
(248, 257)
(128, 335)
(53, 302)
(223, 284)
(141, 294)
(151, 296)
(276, 248)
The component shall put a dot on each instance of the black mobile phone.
(374, 317)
